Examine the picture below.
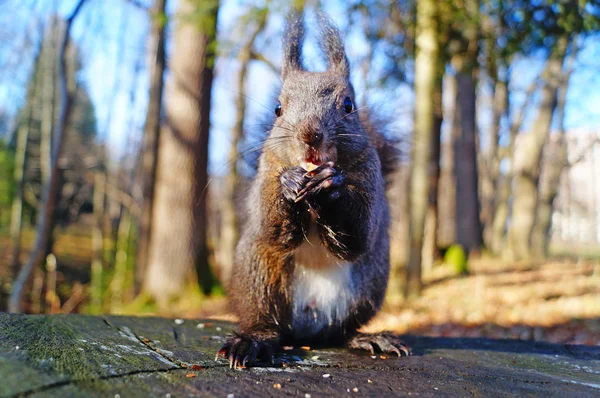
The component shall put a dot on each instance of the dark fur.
(353, 215)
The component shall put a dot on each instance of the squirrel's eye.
(348, 105)
(278, 110)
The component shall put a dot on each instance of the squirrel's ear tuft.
(293, 37)
(333, 46)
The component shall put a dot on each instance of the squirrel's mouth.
(314, 159)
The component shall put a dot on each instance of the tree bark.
(447, 188)
(50, 190)
(151, 135)
(425, 76)
(528, 158)
(468, 225)
(178, 249)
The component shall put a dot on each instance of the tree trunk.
(555, 161)
(48, 78)
(121, 261)
(492, 161)
(178, 248)
(430, 243)
(230, 226)
(151, 136)
(447, 189)
(97, 269)
(498, 63)
(19, 171)
(50, 190)
(503, 182)
(23, 133)
(425, 77)
(468, 225)
(529, 155)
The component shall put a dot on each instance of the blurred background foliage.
(128, 130)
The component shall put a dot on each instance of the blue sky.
(112, 36)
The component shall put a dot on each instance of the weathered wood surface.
(104, 356)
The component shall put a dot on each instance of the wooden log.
(76, 355)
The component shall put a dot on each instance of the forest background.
(128, 129)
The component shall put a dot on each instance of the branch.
(259, 57)
(138, 4)
(516, 123)
(123, 198)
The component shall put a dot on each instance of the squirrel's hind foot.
(385, 342)
(242, 350)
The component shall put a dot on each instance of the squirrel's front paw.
(385, 342)
(243, 350)
(293, 181)
(322, 179)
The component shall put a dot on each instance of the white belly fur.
(323, 290)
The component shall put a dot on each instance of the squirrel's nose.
(310, 132)
(312, 138)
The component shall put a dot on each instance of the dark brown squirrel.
(312, 263)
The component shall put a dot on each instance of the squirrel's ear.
(293, 37)
(333, 46)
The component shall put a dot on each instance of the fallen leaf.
(190, 375)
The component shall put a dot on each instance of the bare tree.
(503, 182)
(151, 134)
(230, 225)
(554, 161)
(49, 198)
(529, 155)
(178, 242)
(425, 76)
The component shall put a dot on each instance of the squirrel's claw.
(242, 351)
(292, 182)
(325, 177)
(385, 342)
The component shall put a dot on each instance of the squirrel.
(312, 263)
